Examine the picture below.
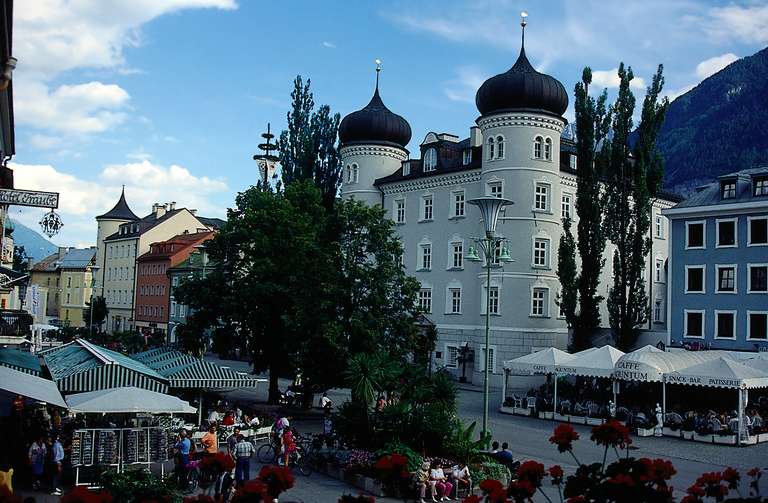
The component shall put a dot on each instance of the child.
(289, 444)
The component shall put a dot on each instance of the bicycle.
(267, 453)
(300, 461)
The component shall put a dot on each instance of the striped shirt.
(243, 449)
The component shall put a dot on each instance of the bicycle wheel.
(304, 466)
(266, 454)
(192, 480)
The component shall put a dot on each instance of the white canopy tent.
(597, 362)
(540, 362)
(128, 400)
(30, 386)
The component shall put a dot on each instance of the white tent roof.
(649, 363)
(597, 362)
(540, 362)
(721, 373)
(126, 400)
(30, 386)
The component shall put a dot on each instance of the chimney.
(63, 251)
(172, 206)
(158, 209)
(475, 137)
(193, 211)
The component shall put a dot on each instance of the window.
(490, 361)
(694, 323)
(694, 279)
(426, 257)
(355, 178)
(430, 159)
(726, 233)
(758, 278)
(539, 302)
(757, 230)
(400, 211)
(455, 296)
(495, 189)
(493, 300)
(499, 147)
(659, 227)
(349, 173)
(565, 206)
(757, 325)
(541, 197)
(69, 298)
(425, 300)
(491, 149)
(458, 255)
(426, 208)
(406, 168)
(538, 147)
(540, 252)
(657, 312)
(548, 149)
(451, 356)
(728, 189)
(572, 162)
(496, 258)
(726, 278)
(458, 203)
(69, 281)
(694, 232)
(659, 270)
(725, 324)
(760, 187)
(466, 156)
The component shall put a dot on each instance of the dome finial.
(523, 23)
(378, 70)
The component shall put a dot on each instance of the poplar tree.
(567, 273)
(632, 178)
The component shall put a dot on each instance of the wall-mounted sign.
(35, 198)
(51, 224)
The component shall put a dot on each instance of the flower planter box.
(750, 440)
(507, 410)
(645, 432)
(688, 435)
(703, 438)
(521, 411)
(562, 417)
(669, 432)
(725, 440)
(546, 415)
(762, 437)
(594, 421)
(578, 420)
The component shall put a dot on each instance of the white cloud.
(145, 183)
(610, 79)
(748, 23)
(713, 65)
(44, 142)
(329, 45)
(464, 87)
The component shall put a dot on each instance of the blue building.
(718, 264)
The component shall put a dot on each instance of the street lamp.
(94, 273)
(490, 207)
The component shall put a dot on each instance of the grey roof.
(48, 264)
(121, 211)
(212, 222)
(78, 258)
(709, 195)
(143, 225)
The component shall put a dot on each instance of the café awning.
(649, 364)
(128, 400)
(186, 371)
(23, 361)
(30, 386)
(540, 362)
(719, 373)
(598, 362)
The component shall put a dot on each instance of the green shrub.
(135, 486)
(489, 469)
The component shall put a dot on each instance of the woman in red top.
(289, 445)
(228, 420)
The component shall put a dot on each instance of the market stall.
(541, 362)
(128, 400)
(23, 361)
(597, 362)
(30, 386)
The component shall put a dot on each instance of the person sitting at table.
(229, 419)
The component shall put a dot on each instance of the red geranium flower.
(622, 479)
(563, 437)
(254, 491)
(276, 478)
(556, 472)
(732, 477)
(521, 490)
(474, 498)
(490, 485)
(696, 490)
(532, 472)
(576, 499)
(690, 499)
(755, 472)
(611, 434)
(82, 494)
(658, 471)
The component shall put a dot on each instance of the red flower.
(490, 485)
(254, 491)
(611, 434)
(696, 490)
(532, 472)
(622, 479)
(276, 479)
(576, 499)
(563, 437)
(658, 471)
(690, 499)
(755, 472)
(521, 490)
(732, 477)
(81, 494)
(556, 472)
(474, 498)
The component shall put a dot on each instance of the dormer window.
(430, 159)
(728, 189)
(466, 156)
(760, 187)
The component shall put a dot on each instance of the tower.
(373, 142)
(108, 224)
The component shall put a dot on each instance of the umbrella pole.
(663, 398)
(504, 388)
(741, 415)
(200, 409)
(613, 386)
(554, 404)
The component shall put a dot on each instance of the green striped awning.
(23, 361)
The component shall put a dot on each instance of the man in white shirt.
(213, 417)
(325, 402)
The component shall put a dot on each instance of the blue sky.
(169, 97)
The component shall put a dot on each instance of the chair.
(673, 418)
(593, 410)
(579, 409)
(518, 402)
(565, 406)
(531, 402)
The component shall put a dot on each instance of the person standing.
(57, 457)
(232, 441)
(37, 453)
(210, 442)
(242, 454)
(183, 447)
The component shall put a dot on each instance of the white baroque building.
(517, 151)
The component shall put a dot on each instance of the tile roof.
(48, 264)
(143, 225)
(78, 258)
(709, 195)
(212, 222)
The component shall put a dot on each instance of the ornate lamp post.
(266, 161)
(489, 207)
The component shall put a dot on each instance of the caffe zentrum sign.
(34, 198)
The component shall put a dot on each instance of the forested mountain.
(717, 127)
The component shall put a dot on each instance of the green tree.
(308, 149)
(567, 273)
(100, 311)
(631, 182)
(592, 124)
(370, 374)
(20, 259)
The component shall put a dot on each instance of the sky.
(169, 97)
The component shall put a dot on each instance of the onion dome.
(375, 124)
(121, 211)
(522, 88)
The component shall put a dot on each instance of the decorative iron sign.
(51, 224)
(35, 198)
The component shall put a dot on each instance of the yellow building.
(45, 273)
(68, 278)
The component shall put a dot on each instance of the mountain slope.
(35, 245)
(718, 127)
